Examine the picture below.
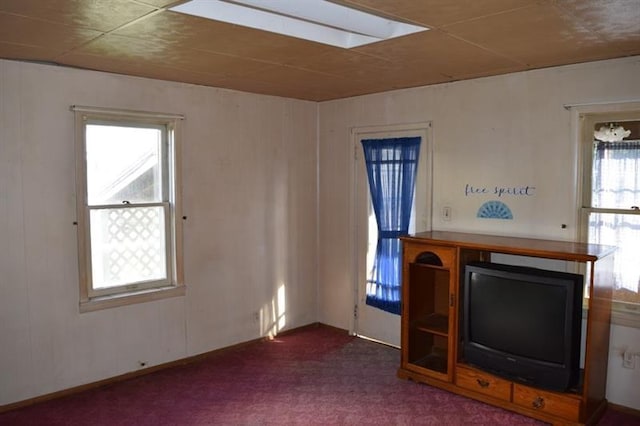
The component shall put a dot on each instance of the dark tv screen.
(518, 317)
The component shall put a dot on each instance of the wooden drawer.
(482, 382)
(562, 405)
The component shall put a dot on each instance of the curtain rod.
(90, 109)
(586, 104)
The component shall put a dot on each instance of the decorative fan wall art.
(494, 210)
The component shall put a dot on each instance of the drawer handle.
(538, 403)
(482, 383)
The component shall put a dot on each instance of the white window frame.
(623, 313)
(170, 124)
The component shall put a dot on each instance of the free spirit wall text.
(500, 191)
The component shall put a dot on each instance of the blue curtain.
(391, 169)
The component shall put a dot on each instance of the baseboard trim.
(148, 370)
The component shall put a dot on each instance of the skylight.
(315, 20)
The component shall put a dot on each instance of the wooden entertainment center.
(431, 342)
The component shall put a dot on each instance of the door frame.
(423, 197)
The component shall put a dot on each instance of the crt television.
(523, 323)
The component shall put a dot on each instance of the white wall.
(250, 178)
(503, 131)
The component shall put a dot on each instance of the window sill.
(106, 302)
(621, 314)
(625, 315)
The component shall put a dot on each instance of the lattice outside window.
(128, 245)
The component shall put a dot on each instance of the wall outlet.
(629, 359)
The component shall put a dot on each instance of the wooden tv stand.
(431, 350)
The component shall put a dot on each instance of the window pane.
(623, 231)
(123, 163)
(127, 246)
(616, 175)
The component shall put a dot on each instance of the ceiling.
(468, 39)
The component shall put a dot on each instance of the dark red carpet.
(315, 376)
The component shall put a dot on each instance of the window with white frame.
(611, 197)
(129, 223)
